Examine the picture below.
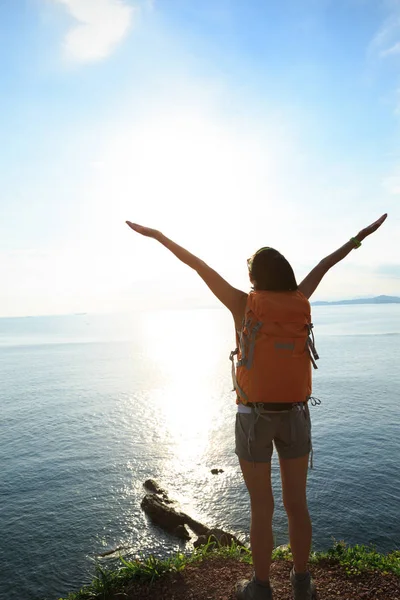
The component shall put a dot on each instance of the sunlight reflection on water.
(185, 408)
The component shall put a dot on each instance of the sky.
(226, 124)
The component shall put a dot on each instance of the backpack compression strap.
(236, 388)
(311, 346)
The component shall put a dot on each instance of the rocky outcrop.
(158, 506)
(153, 487)
(195, 526)
(165, 516)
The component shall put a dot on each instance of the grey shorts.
(290, 431)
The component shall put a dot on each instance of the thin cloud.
(101, 26)
(395, 49)
(386, 41)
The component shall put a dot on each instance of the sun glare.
(153, 170)
(187, 354)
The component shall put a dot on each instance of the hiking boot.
(303, 589)
(251, 590)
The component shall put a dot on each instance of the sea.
(93, 405)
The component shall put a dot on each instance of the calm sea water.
(94, 405)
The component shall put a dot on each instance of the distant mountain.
(376, 300)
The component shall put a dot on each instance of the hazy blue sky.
(227, 124)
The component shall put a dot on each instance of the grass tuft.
(358, 559)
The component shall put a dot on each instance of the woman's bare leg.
(294, 482)
(257, 477)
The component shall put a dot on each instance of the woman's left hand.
(371, 228)
(153, 233)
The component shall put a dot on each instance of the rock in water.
(152, 486)
(155, 504)
(161, 514)
(198, 528)
(181, 532)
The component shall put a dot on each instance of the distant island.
(376, 300)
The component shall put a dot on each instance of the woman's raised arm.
(311, 282)
(231, 297)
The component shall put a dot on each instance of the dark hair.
(270, 271)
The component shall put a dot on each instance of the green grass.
(355, 560)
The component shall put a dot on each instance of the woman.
(266, 413)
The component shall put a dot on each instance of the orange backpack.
(275, 349)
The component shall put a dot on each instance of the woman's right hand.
(371, 228)
(153, 233)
